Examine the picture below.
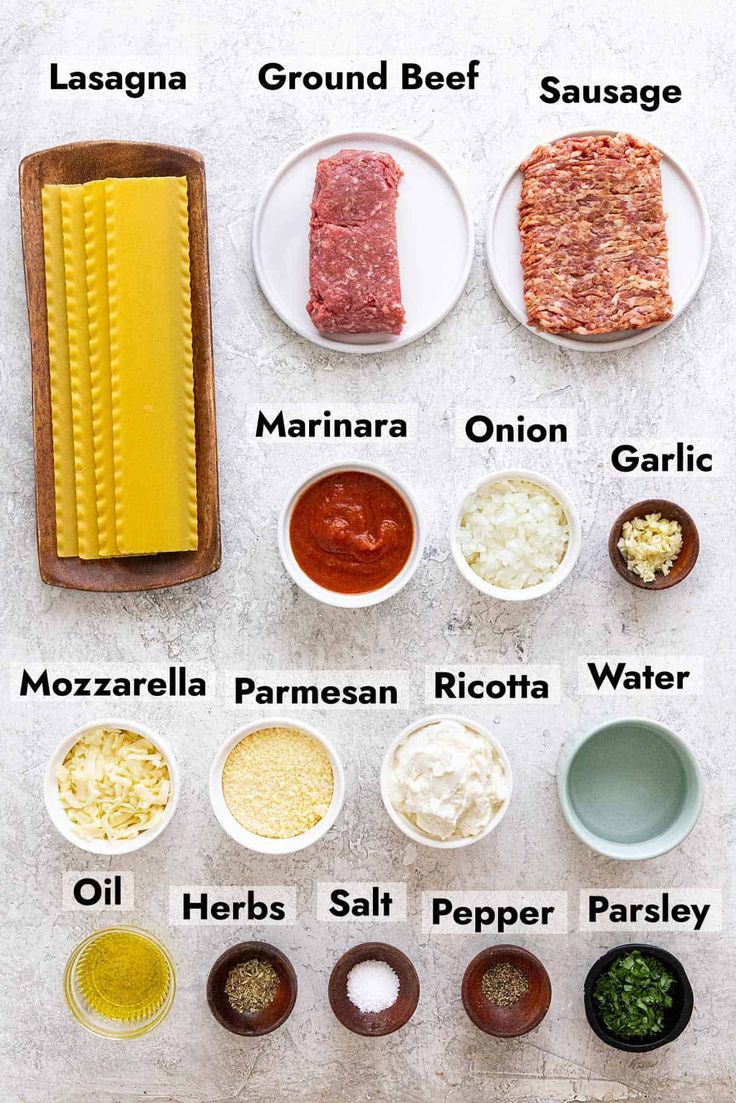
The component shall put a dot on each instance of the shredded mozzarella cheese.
(113, 785)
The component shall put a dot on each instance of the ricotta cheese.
(447, 780)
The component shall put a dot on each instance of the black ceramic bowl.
(676, 1018)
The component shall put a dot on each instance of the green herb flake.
(633, 995)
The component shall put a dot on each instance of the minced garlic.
(278, 782)
(650, 544)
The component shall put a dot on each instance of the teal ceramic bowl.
(630, 789)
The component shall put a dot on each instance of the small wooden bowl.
(374, 1024)
(686, 559)
(277, 1012)
(521, 1017)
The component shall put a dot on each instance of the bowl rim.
(622, 851)
(262, 844)
(238, 952)
(402, 822)
(364, 951)
(77, 1010)
(333, 597)
(572, 552)
(665, 582)
(591, 1011)
(58, 816)
(491, 954)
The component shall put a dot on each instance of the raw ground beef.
(354, 284)
(594, 247)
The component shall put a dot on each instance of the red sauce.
(351, 532)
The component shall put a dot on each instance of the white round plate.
(688, 236)
(434, 229)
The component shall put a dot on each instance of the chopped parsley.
(633, 995)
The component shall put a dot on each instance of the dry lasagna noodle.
(75, 275)
(121, 367)
(65, 494)
(98, 307)
(594, 247)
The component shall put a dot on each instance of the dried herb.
(504, 984)
(251, 986)
(633, 995)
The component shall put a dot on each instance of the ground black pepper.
(504, 984)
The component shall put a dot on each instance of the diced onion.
(513, 533)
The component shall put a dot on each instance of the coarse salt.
(372, 986)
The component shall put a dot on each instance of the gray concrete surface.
(250, 616)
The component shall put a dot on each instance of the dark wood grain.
(520, 1017)
(374, 1024)
(76, 164)
(686, 559)
(277, 1012)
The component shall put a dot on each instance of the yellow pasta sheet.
(95, 225)
(75, 269)
(151, 365)
(60, 382)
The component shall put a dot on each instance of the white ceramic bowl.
(332, 597)
(261, 843)
(406, 825)
(61, 821)
(568, 560)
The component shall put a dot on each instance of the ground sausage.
(594, 247)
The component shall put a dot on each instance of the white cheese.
(448, 780)
(113, 785)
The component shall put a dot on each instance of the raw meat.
(594, 247)
(354, 284)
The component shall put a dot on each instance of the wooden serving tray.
(76, 164)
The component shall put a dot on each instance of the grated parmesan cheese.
(113, 785)
(278, 782)
(650, 544)
(513, 533)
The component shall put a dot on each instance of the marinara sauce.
(351, 532)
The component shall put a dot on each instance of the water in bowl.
(627, 784)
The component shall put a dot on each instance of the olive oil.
(123, 975)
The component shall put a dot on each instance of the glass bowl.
(132, 1023)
